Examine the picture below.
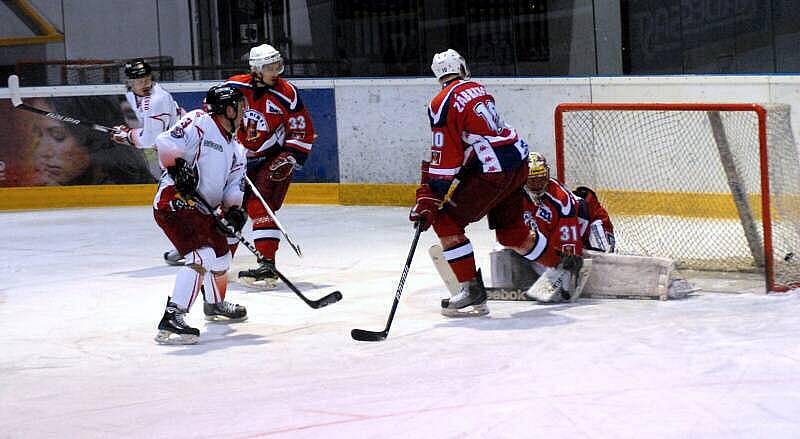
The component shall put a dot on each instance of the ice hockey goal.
(712, 186)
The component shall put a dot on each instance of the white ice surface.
(82, 291)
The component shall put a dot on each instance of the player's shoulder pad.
(438, 108)
(159, 95)
(243, 81)
(560, 197)
(287, 94)
(583, 192)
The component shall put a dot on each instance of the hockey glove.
(569, 260)
(184, 178)
(282, 166)
(236, 217)
(123, 134)
(427, 208)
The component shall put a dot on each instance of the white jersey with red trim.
(217, 158)
(465, 124)
(156, 113)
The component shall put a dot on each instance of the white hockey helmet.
(263, 55)
(449, 62)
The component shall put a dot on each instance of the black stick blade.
(327, 300)
(363, 335)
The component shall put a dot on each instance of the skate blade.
(223, 319)
(166, 337)
(175, 263)
(475, 311)
(264, 284)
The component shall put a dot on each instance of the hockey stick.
(364, 335)
(324, 301)
(16, 100)
(294, 246)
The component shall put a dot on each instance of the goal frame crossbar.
(761, 114)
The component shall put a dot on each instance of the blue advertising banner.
(322, 165)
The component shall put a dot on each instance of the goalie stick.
(272, 215)
(16, 101)
(364, 335)
(322, 302)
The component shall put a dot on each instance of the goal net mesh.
(686, 182)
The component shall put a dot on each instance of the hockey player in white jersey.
(203, 159)
(155, 108)
(156, 111)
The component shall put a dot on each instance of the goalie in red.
(552, 212)
(277, 133)
(565, 224)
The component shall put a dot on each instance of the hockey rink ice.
(83, 290)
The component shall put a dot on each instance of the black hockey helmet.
(137, 68)
(219, 97)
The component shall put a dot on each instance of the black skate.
(224, 311)
(472, 293)
(172, 257)
(173, 324)
(263, 276)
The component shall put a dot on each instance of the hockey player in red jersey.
(472, 144)
(551, 211)
(555, 212)
(277, 133)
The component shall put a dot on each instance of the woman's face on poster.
(59, 155)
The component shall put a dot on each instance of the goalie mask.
(449, 62)
(263, 55)
(538, 175)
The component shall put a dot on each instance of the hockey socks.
(187, 286)
(462, 260)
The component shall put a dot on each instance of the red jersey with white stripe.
(276, 121)
(468, 131)
(556, 218)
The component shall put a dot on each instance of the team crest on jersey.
(176, 132)
(254, 122)
(436, 157)
(545, 213)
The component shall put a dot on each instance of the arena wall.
(373, 133)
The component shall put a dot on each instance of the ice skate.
(263, 276)
(225, 312)
(172, 257)
(473, 295)
(173, 328)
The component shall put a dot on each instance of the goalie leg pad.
(511, 270)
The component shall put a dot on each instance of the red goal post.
(712, 186)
